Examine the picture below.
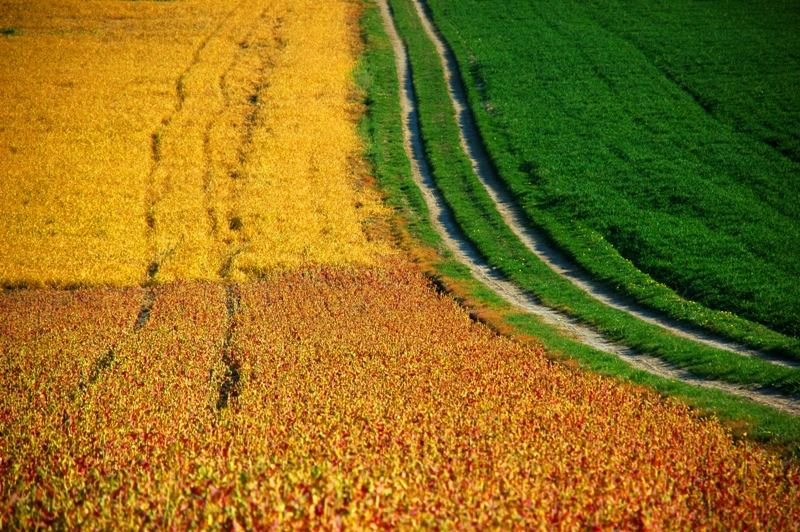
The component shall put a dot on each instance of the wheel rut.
(230, 386)
(238, 114)
(517, 220)
(107, 359)
(444, 223)
(157, 156)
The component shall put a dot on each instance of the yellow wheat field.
(162, 140)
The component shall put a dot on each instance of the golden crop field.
(178, 140)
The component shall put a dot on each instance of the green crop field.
(381, 131)
(670, 131)
(475, 213)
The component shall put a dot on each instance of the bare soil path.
(444, 223)
(515, 218)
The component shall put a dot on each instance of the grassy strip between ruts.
(476, 214)
(382, 132)
(565, 129)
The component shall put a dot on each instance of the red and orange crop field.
(206, 321)
(362, 398)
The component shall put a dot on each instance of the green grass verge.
(381, 130)
(480, 221)
(634, 123)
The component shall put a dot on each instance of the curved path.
(516, 219)
(444, 223)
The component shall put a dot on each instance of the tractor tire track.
(516, 219)
(208, 179)
(230, 387)
(267, 57)
(106, 360)
(444, 223)
(151, 198)
(227, 103)
(231, 169)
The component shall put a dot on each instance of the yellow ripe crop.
(295, 198)
(201, 140)
(75, 107)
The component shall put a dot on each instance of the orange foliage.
(356, 397)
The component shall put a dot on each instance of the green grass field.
(382, 133)
(475, 213)
(715, 52)
(665, 134)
